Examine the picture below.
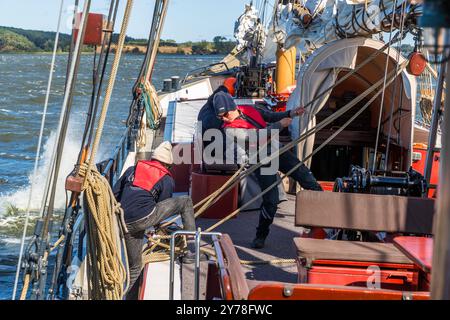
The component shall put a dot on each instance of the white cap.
(163, 153)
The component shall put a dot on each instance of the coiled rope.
(153, 111)
(105, 217)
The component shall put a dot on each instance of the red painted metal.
(417, 63)
(228, 269)
(277, 291)
(205, 184)
(94, 28)
(327, 185)
(278, 101)
(181, 173)
(419, 166)
(359, 274)
(418, 249)
(143, 281)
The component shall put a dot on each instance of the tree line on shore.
(21, 40)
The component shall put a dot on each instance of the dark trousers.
(302, 175)
(136, 231)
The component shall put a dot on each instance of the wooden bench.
(226, 280)
(347, 262)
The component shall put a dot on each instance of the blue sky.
(186, 20)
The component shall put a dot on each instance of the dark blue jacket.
(207, 114)
(209, 118)
(138, 203)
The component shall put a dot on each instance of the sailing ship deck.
(279, 245)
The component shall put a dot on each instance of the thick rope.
(388, 56)
(164, 255)
(110, 87)
(304, 136)
(38, 152)
(105, 218)
(108, 273)
(227, 186)
(392, 76)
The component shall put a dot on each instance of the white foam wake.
(18, 199)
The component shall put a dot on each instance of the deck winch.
(410, 183)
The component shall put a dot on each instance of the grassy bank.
(16, 40)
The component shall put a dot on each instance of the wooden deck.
(279, 245)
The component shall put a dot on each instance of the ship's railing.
(203, 71)
(112, 167)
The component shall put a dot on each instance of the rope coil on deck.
(104, 216)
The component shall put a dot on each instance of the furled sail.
(309, 24)
(249, 32)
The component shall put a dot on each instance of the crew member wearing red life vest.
(145, 193)
(249, 117)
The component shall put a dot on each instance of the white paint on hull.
(157, 281)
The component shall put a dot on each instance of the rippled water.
(23, 82)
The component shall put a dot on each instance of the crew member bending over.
(207, 114)
(248, 117)
(145, 193)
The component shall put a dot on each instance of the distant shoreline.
(91, 53)
(16, 40)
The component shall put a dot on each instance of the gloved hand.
(297, 112)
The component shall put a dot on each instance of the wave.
(15, 203)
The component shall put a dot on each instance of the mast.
(440, 281)
(435, 122)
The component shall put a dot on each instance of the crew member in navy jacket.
(145, 193)
(249, 117)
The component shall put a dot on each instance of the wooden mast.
(440, 282)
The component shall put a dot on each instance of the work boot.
(262, 231)
(189, 257)
(258, 242)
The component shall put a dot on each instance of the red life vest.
(251, 113)
(148, 173)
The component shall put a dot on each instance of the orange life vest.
(250, 119)
(148, 173)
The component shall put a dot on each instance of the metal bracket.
(198, 235)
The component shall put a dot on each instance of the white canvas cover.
(321, 71)
(330, 17)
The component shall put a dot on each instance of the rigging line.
(63, 133)
(67, 103)
(388, 56)
(97, 84)
(280, 180)
(74, 201)
(105, 63)
(292, 144)
(162, 16)
(38, 151)
(72, 39)
(394, 91)
(110, 87)
(52, 175)
(309, 132)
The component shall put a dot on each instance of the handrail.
(203, 71)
